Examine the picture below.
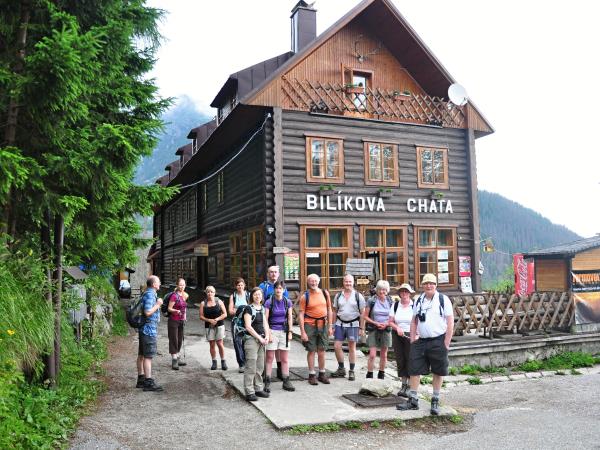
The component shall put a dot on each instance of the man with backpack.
(348, 306)
(316, 325)
(148, 335)
(268, 289)
(433, 323)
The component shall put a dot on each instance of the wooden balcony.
(371, 103)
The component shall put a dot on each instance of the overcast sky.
(529, 66)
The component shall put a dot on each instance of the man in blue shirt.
(268, 290)
(148, 335)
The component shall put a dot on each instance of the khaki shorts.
(379, 339)
(278, 341)
(216, 333)
(318, 338)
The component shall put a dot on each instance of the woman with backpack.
(278, 310)
(177, 306)
(376, 318)
(237, 300)
(401, 316)
(255, 340)
(213, 313)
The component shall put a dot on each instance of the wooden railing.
(374, 103)
(500, 313)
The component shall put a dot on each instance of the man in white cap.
(433, 322)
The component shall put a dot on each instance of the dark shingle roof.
(568, 249)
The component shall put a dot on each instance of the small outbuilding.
(575, 268)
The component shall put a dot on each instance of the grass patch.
(375, 424)
(575, 372)
(474, 380)
(427, 379)
(456, 419)
(561, 361)
(398, 423)
(352, 425)
(323, 428)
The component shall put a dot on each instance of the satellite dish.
(457, 94)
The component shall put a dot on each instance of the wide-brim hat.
(429, 278)
(407, 287)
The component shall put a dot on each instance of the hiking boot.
(287, 385)
(351, 376)
(262, 394)
(312, 379)
(181, 362)
(279, 372)
(174, 364)
(251, 397)
(214, 365)
(140, 381)
(241, 369)
(223, 365)
(435, 406)
(381, 375)
(403, 392)
(150, 385)
(267, 387)
(411, 403)
(340, 372)
(323, 378)
(369, 375)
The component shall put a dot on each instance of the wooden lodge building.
(345, 147)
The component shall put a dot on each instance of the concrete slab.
(314, 405)
(517, 376)
(499, 378)
(533, 374)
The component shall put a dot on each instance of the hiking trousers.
(255, 364)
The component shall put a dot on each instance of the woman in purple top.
(177, 308)
(278, 310)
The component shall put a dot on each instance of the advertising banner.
(524, 275)
(585, 285)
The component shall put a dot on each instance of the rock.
(376, 388)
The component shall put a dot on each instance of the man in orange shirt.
(316, 325)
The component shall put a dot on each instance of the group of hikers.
(418, 327)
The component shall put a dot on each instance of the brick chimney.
(304, 25)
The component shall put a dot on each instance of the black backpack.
(441, 300)
(134, 313)
(164, 308)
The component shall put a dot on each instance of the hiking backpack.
(356, 299)
(239, 328)
(419, 303)
(371, 304)
(134, 313)
(164, 308)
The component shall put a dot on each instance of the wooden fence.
(500, 313)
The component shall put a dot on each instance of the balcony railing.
(372, 103)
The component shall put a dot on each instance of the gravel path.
(199, 410)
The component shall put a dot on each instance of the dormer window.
(194, 146)
(226, 108)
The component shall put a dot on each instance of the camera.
(421, 317)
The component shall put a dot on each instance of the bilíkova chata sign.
(362, 203)
(344, 203)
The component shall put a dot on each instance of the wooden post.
(46, 247)
(59, 234)
(476, 248)
(278, 186)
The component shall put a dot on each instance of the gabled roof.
(202, 132)
(402, 41)
(173, 166)
(185, 150)
(569, 249)
(249, 78)
(162, 181)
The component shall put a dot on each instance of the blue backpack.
(134, 313)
